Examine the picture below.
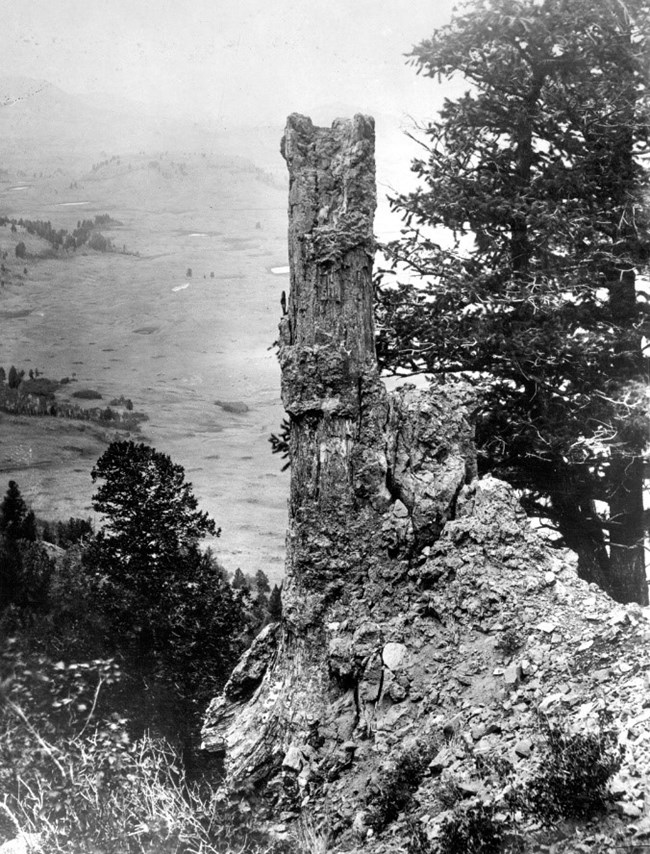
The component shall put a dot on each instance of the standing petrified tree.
(330, 384)
(408, 587)
(373, 477)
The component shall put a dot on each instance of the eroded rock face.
(374, 480)
(431, 456)
(339, 662)
(419, 606)
(466, 642)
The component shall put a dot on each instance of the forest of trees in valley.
(35, 395)
(86, 233)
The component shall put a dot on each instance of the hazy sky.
(234, 60)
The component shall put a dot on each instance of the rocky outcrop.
(321, 677)
(418, 602)
(374, 479)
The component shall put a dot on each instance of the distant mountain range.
(42, 126)
(39, 119)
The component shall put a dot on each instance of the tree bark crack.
(375, 477)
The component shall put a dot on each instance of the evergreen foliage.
(84, 233)
(17, 522)
(262, 582)
(140, 590)
(239, 581)
(280, 443)
(150, 511)
(275, 604)
(170, 607)
(15, 377)
(518, 263)
(71, 532)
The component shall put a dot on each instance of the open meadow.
(180, 315)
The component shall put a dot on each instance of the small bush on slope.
(575, 768)
(396, 786)
(476, 829)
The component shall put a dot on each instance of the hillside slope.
(465, 657)
(441, 680)
(38, 121)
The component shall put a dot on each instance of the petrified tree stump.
(409, 583)
(374, 478)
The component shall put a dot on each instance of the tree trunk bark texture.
(627, 577)
(582, 532)
(374, 477)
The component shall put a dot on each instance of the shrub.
(394, 790)
(511, 640)
(99, 243)
(126, 402)
(87, 394)
(132, 420)
(101, 792)
(494, 766)
(15, 377)
(448, 791)
(575, 768)
(73, 627)
(40, 386)
(418, 839)
(475, 829)
(71, 532)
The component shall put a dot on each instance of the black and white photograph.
(325, 427)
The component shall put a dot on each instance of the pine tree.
(239, 581)
(169, 607)
(9, 572)
(262, 582)
(150, 511)
(275, 604)
(537, 175)
(13, 380)
(17, 522)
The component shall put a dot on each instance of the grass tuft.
(394, 790)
